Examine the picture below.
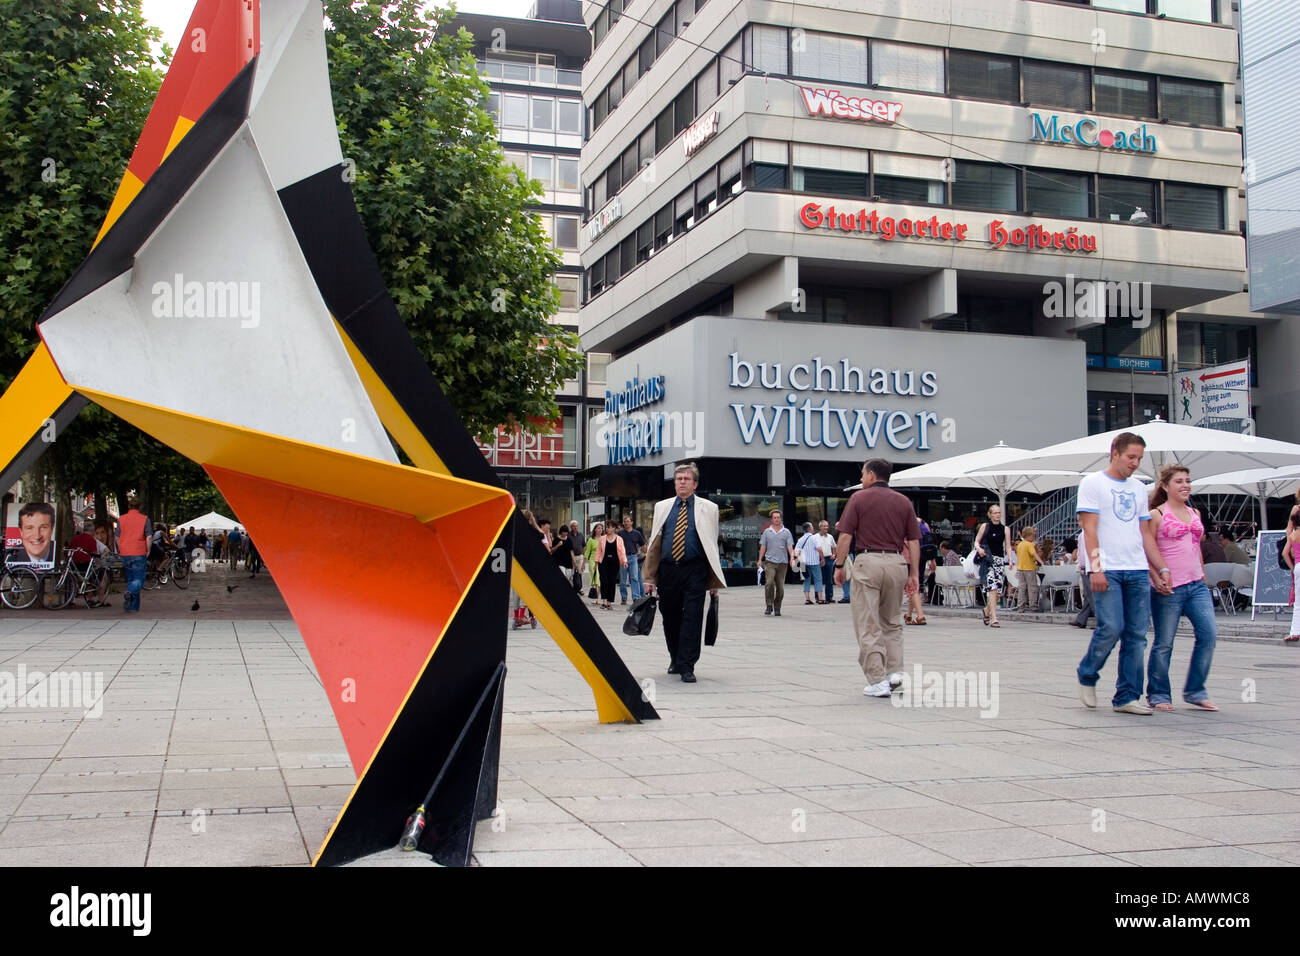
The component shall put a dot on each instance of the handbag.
(640, 618)
(971, 564)
(711, 622)
(592, 593)
(1281, 550)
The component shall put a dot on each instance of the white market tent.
(210, 522)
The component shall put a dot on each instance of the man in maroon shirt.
(880, 527)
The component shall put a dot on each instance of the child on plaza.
(1027, 562)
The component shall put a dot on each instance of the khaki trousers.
(877, 586)
(774, 582)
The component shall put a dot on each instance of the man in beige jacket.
(682, 562)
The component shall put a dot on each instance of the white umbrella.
(985, 469)
(1205, 451)
(1261, 483)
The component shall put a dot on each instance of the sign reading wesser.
(834, 103)
(700, 133)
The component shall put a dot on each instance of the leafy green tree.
(77, 81)
(470, 269)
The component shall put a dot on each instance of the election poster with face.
(29, 535)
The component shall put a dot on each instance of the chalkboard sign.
(1272, 583)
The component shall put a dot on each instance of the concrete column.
(771, 289)
(933, 296)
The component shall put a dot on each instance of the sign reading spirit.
(788, 421)
(629, 435)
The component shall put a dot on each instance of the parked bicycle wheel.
(96, 592)
(180, 572)
(58, 590)
(19, 588)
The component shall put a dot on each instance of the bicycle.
(90, 584)
(20, 586)
(173, 567)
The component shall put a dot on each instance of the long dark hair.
(1159, 494)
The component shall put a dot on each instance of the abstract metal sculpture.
(234, 234)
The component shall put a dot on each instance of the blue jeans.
(1123, 615)
(1193, 600)
(828, 576)
(848, 563)
(812, 580)
(133, 566)
(629, 578)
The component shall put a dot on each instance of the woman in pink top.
(1178, 530)
(1291, 555)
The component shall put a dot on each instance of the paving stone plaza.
(216, 746)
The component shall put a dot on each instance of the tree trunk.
(101, 506)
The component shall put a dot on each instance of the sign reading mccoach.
(822, 425)
(1084, 132)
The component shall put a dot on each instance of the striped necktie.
(679, 534)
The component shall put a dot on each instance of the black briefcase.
(711, 622)
(640, 618)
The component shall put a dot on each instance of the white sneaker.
(877, 690)
(1134, 707)
(1088, 695)
(895, 680)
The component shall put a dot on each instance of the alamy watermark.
(60, 690)
(1098, 299)
(949, 689)
(181, 299)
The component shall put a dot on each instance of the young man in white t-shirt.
(1123, 566)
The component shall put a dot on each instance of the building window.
(612, 271)
(566, 174)
(615, 92)
(664, 129)
(1208, 343)
(570, 116)
(908, 179)
(1201, 11)
(515, 114)
(542, 168)
(596, 278)
(1118, 344)
(665, 32)
(730, 66)
(1125, 94)
(1119, 199)
(1058, 193)
(828, 56)
(767, 49)
(706, 85)
(1108, 411)
(1123, 6)
(684, 109)
(983, 76)
(1188, 101)
(706, 194)
(729, 175)
(833, 305)
(998, 316)
(663, 227)
(684, 212)
(568, 286)
(597, 367)
(566, 232)
(831, 182)
(905, 67)
(644, 240)
(1057, 85)
(985, 186)
(543, 113)
(1193, 207)
(767, 164)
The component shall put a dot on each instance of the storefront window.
(1110, 410)
(741, 520)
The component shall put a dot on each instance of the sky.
(170, 16)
